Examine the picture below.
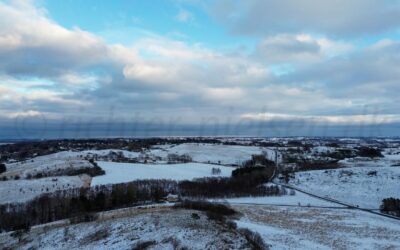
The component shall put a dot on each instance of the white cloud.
(29, 113)
(348, 119)
(368, 75)
(174, 63)
(27, 34)
(50, 97)
(224, 95)
(18, 94)
(78, 79)
(299, 48)
(184, 16)
(163, 48)
(151, 73)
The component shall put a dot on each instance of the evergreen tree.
(2, 168)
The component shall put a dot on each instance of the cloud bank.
(302, 66)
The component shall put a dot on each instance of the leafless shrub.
(176, 243)
(216, 208)
(86, 217)
(254, 239)
(142, 245)
(96, 236)
(216, 171)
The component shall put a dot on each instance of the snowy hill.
(362, 186)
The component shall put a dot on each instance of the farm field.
(125, 172)
(212, 153)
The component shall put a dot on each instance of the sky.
(77, 68)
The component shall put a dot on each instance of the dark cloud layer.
(336, 18)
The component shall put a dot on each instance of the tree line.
(80, 201)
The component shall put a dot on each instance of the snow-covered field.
(386, 161)
(319, 228)
(104, 152)
(213, 153)
(170, 229)
(125, 172)
(357, 185)
(296, 221)
(61, 160)
(47, 163)
(299, 199)
(200, 153)
(24, 190)
(34, 167)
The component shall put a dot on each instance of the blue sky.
(190, 62)
(125, 21)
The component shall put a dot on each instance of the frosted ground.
(319, 228)
(280, 227)
(168, 228)
(300, 221)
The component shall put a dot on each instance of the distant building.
(172, 198)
